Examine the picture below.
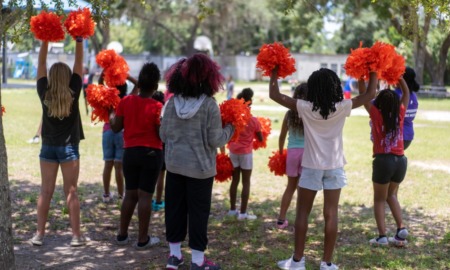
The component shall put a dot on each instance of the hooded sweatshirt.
(191, 129)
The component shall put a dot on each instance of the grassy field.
(241, 245)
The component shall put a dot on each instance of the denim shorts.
(314, 179)
(112, 145)
(244, 161)
(59, 154)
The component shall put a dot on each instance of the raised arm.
(135, 90)
(275, 95)
(42, 60)
(283, 133)
(368, 95)
(362, 89)
(78, 64)
(405, 92)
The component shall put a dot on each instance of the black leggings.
(188, 204)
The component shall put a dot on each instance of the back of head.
(59, 97)
(194, 76)
(246, 94)
(410, 79)
(159, 96)
(324, 91)
(149, 77)
(293, 120)
(388, 104)
(301, 91)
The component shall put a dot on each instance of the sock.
(280, 221)
(198, 257)
(381, 236)
(295, 260)
(144, 243)
(175, 249)
(329, 264)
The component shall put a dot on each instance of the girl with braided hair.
(387, 115)
(293, 127)
(323, 114)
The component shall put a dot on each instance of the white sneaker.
(325, 266)
(395, 241)
(380, 241)
(246, 216)
(34, 140)
(289, 264)
(403, 233)
(232, 213)
(106, 198)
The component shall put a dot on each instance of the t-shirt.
(67, 130)
(413, 105)
(141, 121)
(382, 143)
(323, 137)
(244, 143)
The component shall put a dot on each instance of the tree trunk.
(437, 68)
(7, 260)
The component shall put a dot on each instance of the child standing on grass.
(293, 126)
(241, 155)
(139, 117)
(387, 114)
(323, 114)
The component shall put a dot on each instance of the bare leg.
(107, 169)
(305, 200)
(245, 194)
(287, 196)
(126, 212)
(330, 213)
(379, 200)
(70, 171)
(233, 187)
(394, 205)
(144, 212)
(49, 171)
(119, 177)
(160, 186)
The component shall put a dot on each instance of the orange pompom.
(393, 74)
(79, 23)
(272, 55)
(237, 113)
(3, 111)
(389, 65)
(266, 128)
(358, 63)
(117, 73)
(277, 162)
(47, 26)
(102, 99)
(224, 168)
(106, 58)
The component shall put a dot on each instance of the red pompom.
(3, 111)
(47, 26)
(101, 99)
(277, 162)
(106, 58)
(79, 23)
(272, 55)
(358, 63)
(266, 128)
(224, 168)
(393, 74)
(117, 73)
(237, 113)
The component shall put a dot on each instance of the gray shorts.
(244, 161)
(315, 179)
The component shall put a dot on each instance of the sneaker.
(151, 242)
(289, 264)
(207, 265)
(325, 266)
(397, 241)
(232, 213)
(282, 225)
(78, 241)
(246, 216)
(157, 206)
(173, 262)
(402, 233)
(122, 240)
(106, 198)
(37, 240)
(34, 140)
(380, 241)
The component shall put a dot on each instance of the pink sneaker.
(284, 225)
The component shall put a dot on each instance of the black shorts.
(141, 168)
(388, 168)
(406, 144)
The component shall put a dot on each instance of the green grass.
(256, 244)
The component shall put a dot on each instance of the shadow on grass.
(234, 244)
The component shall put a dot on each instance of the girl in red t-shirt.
(387, 113)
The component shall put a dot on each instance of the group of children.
(183, 139)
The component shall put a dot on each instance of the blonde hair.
(58, 97)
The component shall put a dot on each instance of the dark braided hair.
(246, 94)
(389, 105)
(149, 77)
(294, 122)
(324, 91)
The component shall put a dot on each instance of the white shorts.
(314, 179)
(244, 161)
